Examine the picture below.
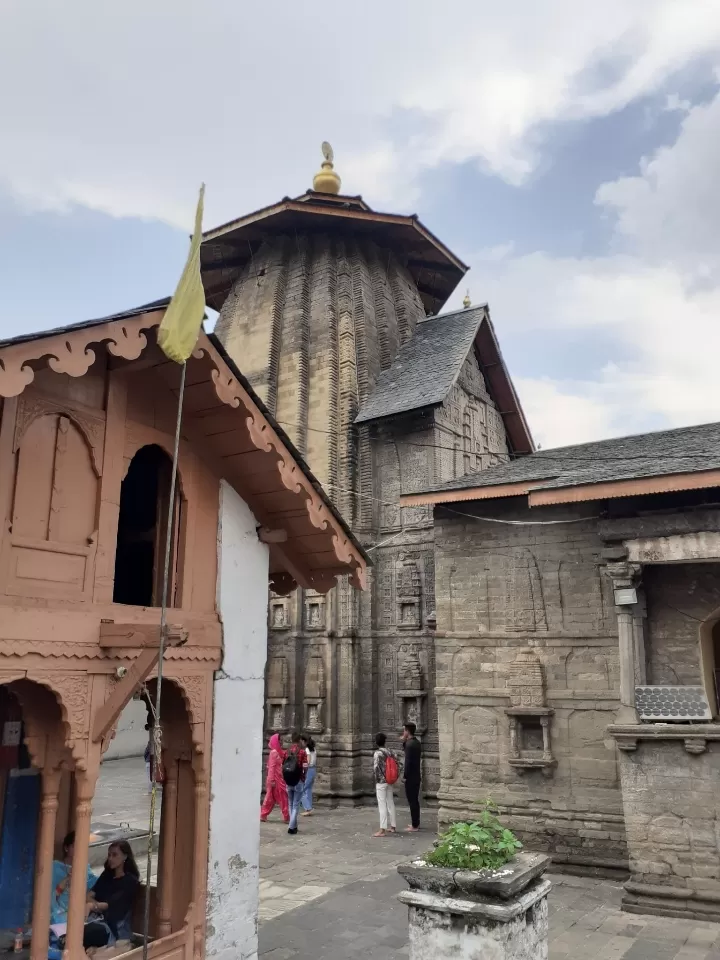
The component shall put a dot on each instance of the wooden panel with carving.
(52, 538)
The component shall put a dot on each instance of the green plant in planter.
(482, 844)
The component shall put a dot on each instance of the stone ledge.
(499, 912)
(694, 735)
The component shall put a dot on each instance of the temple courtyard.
(330, 892)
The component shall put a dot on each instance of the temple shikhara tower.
(332, 312)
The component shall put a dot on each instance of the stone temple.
(332, 311)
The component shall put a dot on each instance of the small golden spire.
(326, 179)
(467, 302)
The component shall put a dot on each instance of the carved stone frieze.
(526, 681)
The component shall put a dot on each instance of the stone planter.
(478, 914)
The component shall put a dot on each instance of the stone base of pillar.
(677, 902)
(470, 915)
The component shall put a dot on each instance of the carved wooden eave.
(226, 249)
(222, 417)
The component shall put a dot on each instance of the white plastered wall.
(234, 850)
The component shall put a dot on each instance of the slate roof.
(425, 367)
(683, 450)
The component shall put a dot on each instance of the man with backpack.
(385, 768)
(294, 769)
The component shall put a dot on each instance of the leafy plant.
(482, 844)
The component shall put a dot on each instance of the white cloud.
(663, 330)
(126, 107)
(671, 210)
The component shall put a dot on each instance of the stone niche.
(412, 687)
(529, 716)
(314, 702)
(314, 611)
(408, 593)
(277, 695)
(279, 613)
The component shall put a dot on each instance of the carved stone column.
(78, 881)
(50, 785)
(625, 578)
(169, 832)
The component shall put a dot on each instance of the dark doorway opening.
(142, 530)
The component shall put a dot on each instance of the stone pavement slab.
(330, 892)
(359, 916)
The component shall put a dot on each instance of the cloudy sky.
(568, 151)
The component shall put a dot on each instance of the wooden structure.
(86, 437)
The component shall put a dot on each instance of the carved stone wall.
(312, 321)
(528, 678)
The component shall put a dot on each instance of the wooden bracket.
(108, 713)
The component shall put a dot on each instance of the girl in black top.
(114, 893)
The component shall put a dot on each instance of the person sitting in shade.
(61, 874)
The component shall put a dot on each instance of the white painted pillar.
(236, 763)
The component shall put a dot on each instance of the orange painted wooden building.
(86, 440)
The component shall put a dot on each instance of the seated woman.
(110, 902)
(61, 873)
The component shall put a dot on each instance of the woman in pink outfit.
(275, 788)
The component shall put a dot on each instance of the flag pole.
(157, 729)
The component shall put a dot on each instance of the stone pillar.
(500, 914)
(639, 615)
(78, 881)
(624, 578)
(169, 830)
(50, 785)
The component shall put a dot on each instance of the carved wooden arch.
(186, 741)
(162, 443)
(72, 693)
(45, 737)
(91, 429)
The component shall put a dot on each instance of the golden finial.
(326, 180)
(467, 302)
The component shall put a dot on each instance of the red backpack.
(391, 770)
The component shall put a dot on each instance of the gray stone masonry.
(672, 809)
(509, 597)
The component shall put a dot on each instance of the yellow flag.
(183, 318)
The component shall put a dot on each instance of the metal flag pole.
(157, 729)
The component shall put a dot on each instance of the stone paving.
(330, 892)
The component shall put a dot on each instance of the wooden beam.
(109, 712)
(471, 493)
(638, 487)
(135, 635)
(266, 535)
